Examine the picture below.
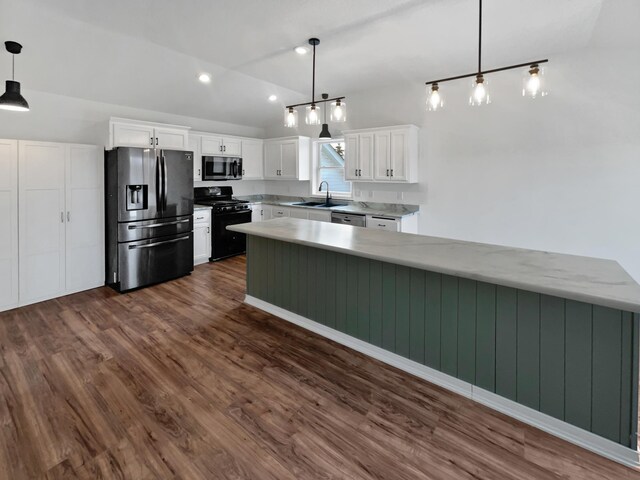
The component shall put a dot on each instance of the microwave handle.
(235, 169)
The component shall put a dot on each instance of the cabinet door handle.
(387, 172)
(243, 171)
(356, 172)
(221, 148)
(392, 172)
(68, 216)
(208, 229)
(151, 141)
(359, 172)
(198, 173)
(61, 217)
(224, 148)
(156, 141)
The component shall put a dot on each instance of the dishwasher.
(349, 219)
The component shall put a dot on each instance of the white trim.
(315, 159)
(558, 428)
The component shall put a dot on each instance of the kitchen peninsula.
(548, 338)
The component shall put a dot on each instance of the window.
(330, 168)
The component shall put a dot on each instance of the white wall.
(559, 173)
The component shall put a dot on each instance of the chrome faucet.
(320, 189)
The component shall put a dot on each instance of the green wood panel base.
(573, 361)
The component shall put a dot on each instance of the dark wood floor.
(182, 380)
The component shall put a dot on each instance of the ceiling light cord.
(313, 79)
(480, 39)
(13, 67)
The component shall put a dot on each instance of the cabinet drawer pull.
(68, 216)
(61, 217)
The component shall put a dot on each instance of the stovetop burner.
(220, 199)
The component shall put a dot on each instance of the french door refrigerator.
(149, 216)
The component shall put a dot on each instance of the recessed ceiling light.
(272, 98)
(301, 50)
(204, 78)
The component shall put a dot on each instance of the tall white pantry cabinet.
(53, 243)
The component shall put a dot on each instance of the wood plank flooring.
(182, 380)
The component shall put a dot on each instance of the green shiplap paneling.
(330, 288)
(432, 312)
(417, 319)
(552, 356)
(294, 267)
(506, 341)
(626, 368)
(449, 325)
(271, 271)
(528, 349)
(364, 299)
(571, 360)
(578, 361)
(389, 307)
(486, 336)
(467, 296)
(635, 345)
(375, 297)
(352, 295)
(607, 359)
(341, 292)
(403, 286)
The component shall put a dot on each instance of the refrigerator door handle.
(164, 182)
(156, 225)
(154, 244)
(158, 187)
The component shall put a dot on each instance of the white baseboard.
(558, 428)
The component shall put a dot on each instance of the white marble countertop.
(585, 279)
(350, 208)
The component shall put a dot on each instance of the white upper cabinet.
(252, 159)
(286, 158)
(359, 150)
(133, 133)
(221, 146)
(388, 154)
(9, 230)
(61, 232)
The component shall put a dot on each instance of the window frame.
(315, 171)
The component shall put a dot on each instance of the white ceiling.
(147, 53)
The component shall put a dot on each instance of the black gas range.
(225, 211)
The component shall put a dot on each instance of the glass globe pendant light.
(338, 111)
(533, 83)
(290, 117)
(479, 93)
(313, 115)
(434, 98)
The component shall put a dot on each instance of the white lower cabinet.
(299, 213)
(279, 212)
(61, 227)
(201, 236)
(9, 230)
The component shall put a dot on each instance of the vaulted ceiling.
(148, 53)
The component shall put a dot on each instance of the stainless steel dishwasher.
(349, 219)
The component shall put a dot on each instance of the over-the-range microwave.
(221, 168)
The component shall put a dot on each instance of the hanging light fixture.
(324, 133)
(533, 83)
(12, 99)
(313, 108)
(434, 98)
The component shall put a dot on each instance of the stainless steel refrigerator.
(149, 216)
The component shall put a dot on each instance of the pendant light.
(313, 109)
(434, 98)
(533, 83)
(324, 133)
(12, 99)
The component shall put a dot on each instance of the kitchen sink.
(308, 204)
(319, 204)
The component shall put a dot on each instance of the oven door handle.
(156, 225)
(155, 244)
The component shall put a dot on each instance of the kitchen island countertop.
(592, 280)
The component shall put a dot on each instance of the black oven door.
(223, 242)
(216, 168)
